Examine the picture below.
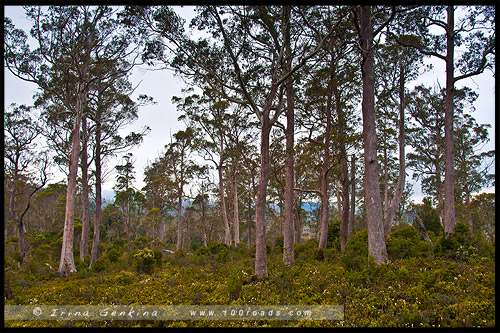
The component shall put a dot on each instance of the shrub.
(306, 251)
(144, 261)
(457, 246)
(333, 235)
(113, 253)
(355, 256)
(407, 243)
(224, 255)
(216, 247)
(100, 264)
(202, 251)
(278, 244)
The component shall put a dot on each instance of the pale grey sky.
(162, 117)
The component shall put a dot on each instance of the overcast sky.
(162, 117)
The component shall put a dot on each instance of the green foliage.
(278, 245)
(355, 256)
(407, 243)
(101, 264)
(144, 261)
(333, 235)
(202, 251)
(216, 247)
(430, 216)
(306, 251)
(113, 253)
(457, 246)
(224, 255)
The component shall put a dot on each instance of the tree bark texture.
(260, 204)
(398, 194)
(288, 231)
(98, 191)
(449, 195)
(374, 214)
(84, 242)
(67, 263)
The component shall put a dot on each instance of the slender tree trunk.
(298, 226)
(203, 220)
(249, 216)
(227, 229)
(21, 247)
(376, 239)
(98, 191)
(236, 218)
(449, 195)
(344, 173)
(260, 204)
(324, 173)
(179, 218)
(350, 229)
(67, 263)
(84, 242)
(288, 232)
(398, 194)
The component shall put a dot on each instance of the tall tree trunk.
(260, 204)
(288, 231)
(324, 172)
(98, 190)
(249, 216)
(236, 218)
(179, 218)
(376, 239)
(350, 228)
(21, 248)
(84, 242)
(449, 195)
(67, 263)
(398, 194)
(203, 220)
(344, 173)
(227, 229)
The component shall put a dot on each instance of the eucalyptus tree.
(474, 31)
(395, 67)
(70, 41)
(208, 116)
(180, 169)
(330, 92)
(243, 60)
(426, 139)
(364, 21)
(21, 158)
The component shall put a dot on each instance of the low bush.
(101, 264)
(407, 243)
(355, 256)
(144, 261)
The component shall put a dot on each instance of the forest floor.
(408, 292)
